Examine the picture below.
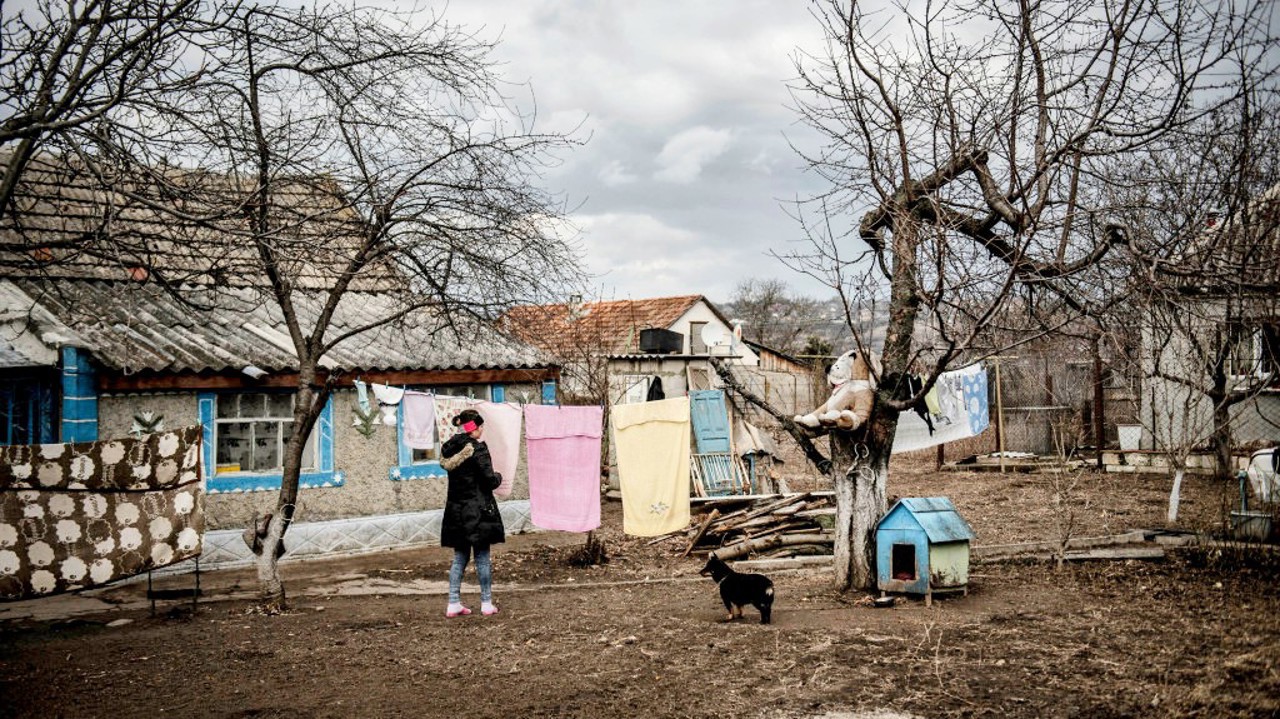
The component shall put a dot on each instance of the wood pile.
(770, 526)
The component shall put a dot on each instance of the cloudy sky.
(682, 187)
(684, 183)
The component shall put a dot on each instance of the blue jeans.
(484, 572)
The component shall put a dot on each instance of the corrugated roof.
(937, 516)
(131, 326)
(29, 335)
(65, 224)
(75, 248)
(611, 327)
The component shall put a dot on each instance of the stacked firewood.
(772, 526)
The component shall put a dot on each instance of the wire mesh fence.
(1044, 404)
(1052, 402)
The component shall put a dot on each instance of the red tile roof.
(598, 327)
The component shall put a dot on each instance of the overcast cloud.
(681, 187)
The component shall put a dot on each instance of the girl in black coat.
(471, 519)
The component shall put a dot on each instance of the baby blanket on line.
(652, 444)
(502, 423)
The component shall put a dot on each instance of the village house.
(92, 349)
(627, 351)
(1212, 345)
(614, 352)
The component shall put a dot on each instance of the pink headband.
(470, 427)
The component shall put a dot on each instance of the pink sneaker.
(488, 609)
(456, 610)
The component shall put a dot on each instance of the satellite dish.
(714, 335)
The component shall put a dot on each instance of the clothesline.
(563, 445)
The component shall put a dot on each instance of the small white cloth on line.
(388, 399)
(419, 412)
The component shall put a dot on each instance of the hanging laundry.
(931, 400)
(502, 424)
(955, 408)
(388, 399)
(652, 444)
(655, 390)
(362, 396)
(446, 409)
(419, 412)
(563, 449)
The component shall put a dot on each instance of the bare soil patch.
(1197, 634)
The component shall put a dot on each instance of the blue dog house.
(922, 547)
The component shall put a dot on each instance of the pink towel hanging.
(563, 447)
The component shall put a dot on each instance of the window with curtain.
(251, 431)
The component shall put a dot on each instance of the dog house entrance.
(903, 561)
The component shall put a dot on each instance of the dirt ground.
(1196, 634)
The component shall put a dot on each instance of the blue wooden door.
(710, 420)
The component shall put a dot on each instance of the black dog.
(738, 590)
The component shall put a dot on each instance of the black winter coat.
(470, 512)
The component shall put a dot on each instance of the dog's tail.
(766, 607)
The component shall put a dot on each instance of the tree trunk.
(1222, 440)
(860, 459)
(271, 597)
(1175, 496)
(843, 482)
(308, 402)
(860, 475)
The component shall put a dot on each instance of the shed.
(922, 547)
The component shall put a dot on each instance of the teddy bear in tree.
(853, 383)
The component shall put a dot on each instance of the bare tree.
(771, 315)
(67, 68)
(969, 150)
(1206, 274)
(359, 169)
(423, 168)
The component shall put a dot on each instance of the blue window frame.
(407, 465)
(322, 474)
(40, 405)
